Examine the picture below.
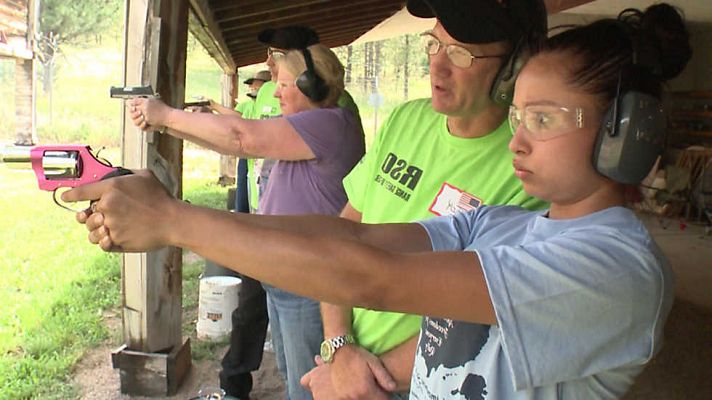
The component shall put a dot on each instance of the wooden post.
(228, 164)
(155, 54)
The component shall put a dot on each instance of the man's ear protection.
(309, 82)
(527, 25)
(632, 133)
(502, 91)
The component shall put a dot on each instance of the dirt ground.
(682, 370)
(96, 378)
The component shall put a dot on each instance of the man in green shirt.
(254, 83)
(434, 156)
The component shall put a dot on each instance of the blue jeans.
(297, 333)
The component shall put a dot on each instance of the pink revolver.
(60, 166)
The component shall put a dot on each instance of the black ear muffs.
(631, 137)
(502, 90)
(309, 82)
(527, 21)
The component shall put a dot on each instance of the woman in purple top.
(316, 144)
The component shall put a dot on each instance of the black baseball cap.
(296, 37)
(485, 21)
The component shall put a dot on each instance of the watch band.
(341, 341)
(329, 346)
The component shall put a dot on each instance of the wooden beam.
(248, 34)
(249, 12)
(205, 29)
(155, 53)
(306, 15)
(352, 27)
(228, 163)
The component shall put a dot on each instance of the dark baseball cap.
(264, 76)
(485, 21)
(296, 37)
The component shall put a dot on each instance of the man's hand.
(320, 382)
(131, 213)
(358, 374)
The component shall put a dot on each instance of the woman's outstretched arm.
(383, 267)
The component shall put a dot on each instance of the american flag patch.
(451, 200)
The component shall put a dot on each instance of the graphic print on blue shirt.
(451, 344)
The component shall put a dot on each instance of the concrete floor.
(690, 253)
(682, 370)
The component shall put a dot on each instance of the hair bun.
(663, 25)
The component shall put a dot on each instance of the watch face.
(327, 352)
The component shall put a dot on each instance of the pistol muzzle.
(16, 157)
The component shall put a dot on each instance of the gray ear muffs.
(632, 133)
(631, 137)
(309, 82)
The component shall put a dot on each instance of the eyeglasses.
(458, 55)
(545, 122)
(275, 54)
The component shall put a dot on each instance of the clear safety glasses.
(544, 122)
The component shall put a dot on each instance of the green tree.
(76, 21)
(70, 22)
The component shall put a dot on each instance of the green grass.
(56, 285)
(54, 288)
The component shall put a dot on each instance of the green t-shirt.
(265, 106)
(416, 170)
(245, 107)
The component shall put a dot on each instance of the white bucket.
(218, 299)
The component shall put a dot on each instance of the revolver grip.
(119, 171)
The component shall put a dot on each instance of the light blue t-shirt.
(580, 306)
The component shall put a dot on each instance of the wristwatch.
(329, 346)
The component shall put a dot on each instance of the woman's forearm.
(384, 267)
(216, 132)
(335, 265)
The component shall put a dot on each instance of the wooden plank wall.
(13, 17)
